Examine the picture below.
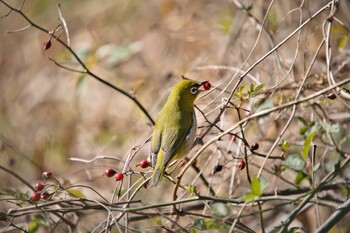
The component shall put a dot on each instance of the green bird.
(175, 129)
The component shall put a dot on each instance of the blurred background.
(49, 114)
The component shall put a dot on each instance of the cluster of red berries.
(117, 175)
(39, 188)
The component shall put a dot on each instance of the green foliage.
(209, 224)
(332, 128)
(76, 193)
(257, 188)
(308, 127)
(300, 177)
(239, 93)
(36, 222)
(295, 162)
(284, 145)
(307, 143)
(251, 92)
(191, 189)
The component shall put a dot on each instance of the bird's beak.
(200, 84)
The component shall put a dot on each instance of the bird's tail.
(157, 176)
(158, 171)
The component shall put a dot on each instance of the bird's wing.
(174, 136)
(155, 144)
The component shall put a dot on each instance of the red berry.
(119, 176)
(206, 85)
(241, 165)
(45, 195)
(332, 96)
(47, 175)
(39, 186)
(35, 196)
(254, 146)
(47, 45)
(110, 172)
(144, 164)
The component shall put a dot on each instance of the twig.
(339, 214)
(64, 23)
(18, 177)
(75, 159)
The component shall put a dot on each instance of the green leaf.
(239, 92)
(294, 162)
(250, 196)
(255, 186)
(284, 145)
(302, 130)
(306, 147)
(316, 167)
(259, 88)
(33, 225)
(191, 189)
(251, 91)
(76, 193)
(300, 177)
(207, 224)
(332, 128)
(193, 230)
(263, 183)
(37, 222)
(219, 209)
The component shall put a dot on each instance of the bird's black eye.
(193, 90)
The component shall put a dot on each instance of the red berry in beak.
(206, 85)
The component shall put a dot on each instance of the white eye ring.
(193, 90)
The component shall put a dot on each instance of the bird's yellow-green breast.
(175, 128)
